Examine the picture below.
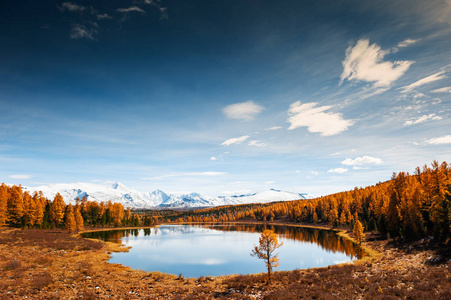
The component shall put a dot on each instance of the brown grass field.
(53, 264)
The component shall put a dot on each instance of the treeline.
(21, 209)
(408, 205)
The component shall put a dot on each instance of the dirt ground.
(53, 264)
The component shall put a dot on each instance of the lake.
(213, 250)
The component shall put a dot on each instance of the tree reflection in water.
(326, 239)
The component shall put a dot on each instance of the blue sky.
(223, 97)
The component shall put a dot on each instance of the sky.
(223, 97)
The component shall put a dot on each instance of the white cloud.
(422, 119)
(71, 7)
(237, 140)
(360, 161)
(206, 174)
(440, 140)
(256, 143)
(213, 158)
(20, 176)
(81, 31)
(243, 111)
(408, 42)
(423, 81)
(316, 119)
(163, 10)
(131, 9)
(103, 16)
(338, 170)
(274, 128)
(443, 90)
(364, 62)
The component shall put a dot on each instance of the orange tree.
(267, 244)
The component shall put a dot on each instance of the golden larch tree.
(79, 220)
(69, 222)
(358, 232)
(4, 195)
(39, 200)
(267, 244)
(57, 209)
(15, 205)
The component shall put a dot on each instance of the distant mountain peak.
(119, 193)
(117, 185)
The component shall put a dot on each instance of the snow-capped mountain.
(117, 192)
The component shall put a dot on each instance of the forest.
(20, 209)
(408, 205)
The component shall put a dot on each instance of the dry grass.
(52, 264)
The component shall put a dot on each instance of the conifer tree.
(39, 201)
(69, 217)
(29, 214)
(267, 244)
(3, 204)
(15, 205)
(79, 220)
(57, 210)
(358, 232)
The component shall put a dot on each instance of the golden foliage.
(267, 244)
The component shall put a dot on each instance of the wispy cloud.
(20, 176)
(365, 62)
(243, 111)
(423, 81)
(68, 6)
(256, 143)
(237, 140)
(316, 119)
(443, 90)
(274, 128)
(131, 9)
(103, 16)
(408, 42)
(337, 170)
(439, 140)
(194, 174)
(213, 158)
(422, 119)
(361, 161)
(80, 31)
(157, 4)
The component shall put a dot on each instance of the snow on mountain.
(118, 192)
(271, 195)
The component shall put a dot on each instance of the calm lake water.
(213, 250)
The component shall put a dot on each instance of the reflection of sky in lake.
(195, 251)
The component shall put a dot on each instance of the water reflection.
(218, 249)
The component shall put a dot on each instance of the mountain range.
(117, 192)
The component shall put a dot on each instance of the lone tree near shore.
(358, 232)
(268, 243)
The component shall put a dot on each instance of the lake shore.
(53, 264)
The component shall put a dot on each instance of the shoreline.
(49, 264)
(370, 253)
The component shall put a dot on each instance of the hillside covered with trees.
(407, 205)
(20, 209)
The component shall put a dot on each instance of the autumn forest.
(408, 205)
